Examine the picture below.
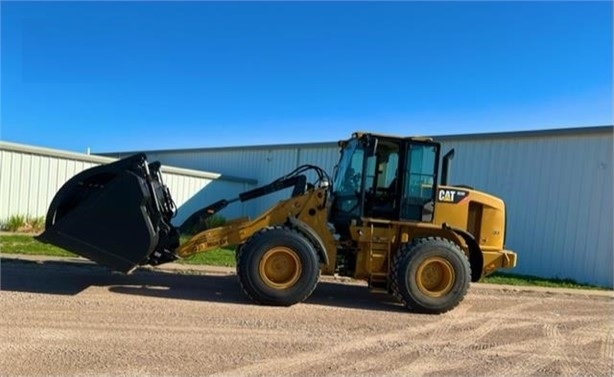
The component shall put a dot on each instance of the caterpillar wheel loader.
(384, 217)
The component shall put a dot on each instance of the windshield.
(347, 176)
(347, 181)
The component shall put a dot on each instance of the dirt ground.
(79, 319)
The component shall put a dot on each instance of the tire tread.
(400, 257)
(241, 257)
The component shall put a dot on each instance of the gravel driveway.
(80, 319)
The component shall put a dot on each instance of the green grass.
(527, 280)
(14, 222)
(19, 223)
(26, 244)
(218, 257)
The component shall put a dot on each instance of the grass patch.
(22, 223)
(533, 281)
(14, 222)
(217, 257)
(27, 244)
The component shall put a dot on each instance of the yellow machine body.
(377, 240)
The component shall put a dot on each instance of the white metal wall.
(558, 193)
(265, 163)
(30, 177)
(557, 186)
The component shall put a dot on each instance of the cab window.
(420, 176)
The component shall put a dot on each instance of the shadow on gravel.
(63, 278)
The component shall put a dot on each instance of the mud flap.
(117, 215)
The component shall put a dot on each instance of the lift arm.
(298, 181)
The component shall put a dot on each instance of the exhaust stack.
(445, 166)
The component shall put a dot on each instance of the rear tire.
(430, 275)
(278, 266)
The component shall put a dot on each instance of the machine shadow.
(62, 278)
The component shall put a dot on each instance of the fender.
(476, 259)
(312, 236)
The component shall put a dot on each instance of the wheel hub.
(435, 277)
(280, 268)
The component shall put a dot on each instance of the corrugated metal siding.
(266, 164)
(35, 176)
(30, 177)
(558, 192)
(326, 158)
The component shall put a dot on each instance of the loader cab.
(384, 177)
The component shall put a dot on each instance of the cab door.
(420, 171)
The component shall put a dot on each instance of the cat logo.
(451, 196)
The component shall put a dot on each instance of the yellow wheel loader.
(385, 217)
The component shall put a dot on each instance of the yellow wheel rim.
(435, 277)
(280, 268)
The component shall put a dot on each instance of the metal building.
(30, 177)
(557, 185)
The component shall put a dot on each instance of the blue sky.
(117, 76)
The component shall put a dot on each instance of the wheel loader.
(387, 216)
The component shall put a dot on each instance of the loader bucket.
(117, 215)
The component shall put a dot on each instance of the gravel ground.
(63, 318)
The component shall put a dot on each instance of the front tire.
(430, 275)
(278, 266)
